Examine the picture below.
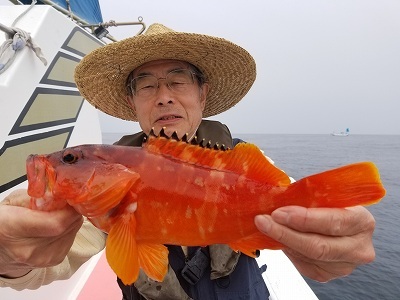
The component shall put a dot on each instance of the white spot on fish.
(131, 208)
(216, 175)
(40, 202)
(226, 186)
(169, 169)
(202, 232)
(241, 180)
(157, 205)
(188, 213)
(217, 163)
(199, 181)
(164, 231)
(212, 218)
(245, 166)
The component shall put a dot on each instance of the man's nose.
(163, 93)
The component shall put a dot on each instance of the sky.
(322, 65)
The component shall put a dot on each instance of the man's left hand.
(323, 243)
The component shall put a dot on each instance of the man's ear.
(129, 101)
(203, 94)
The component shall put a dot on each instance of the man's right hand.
(32, 239)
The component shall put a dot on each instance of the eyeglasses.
(147, 85)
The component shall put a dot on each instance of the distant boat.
(343, 133)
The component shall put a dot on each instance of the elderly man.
(172, 80)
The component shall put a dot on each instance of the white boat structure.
(342, 133)
(42, 111)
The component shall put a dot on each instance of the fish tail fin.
(350, 185)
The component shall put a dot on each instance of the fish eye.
(70, 156)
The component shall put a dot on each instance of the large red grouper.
(173, 192)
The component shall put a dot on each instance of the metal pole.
(7, 30)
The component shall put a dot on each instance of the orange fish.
(172, 192)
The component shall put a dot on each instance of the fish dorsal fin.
(245, 159)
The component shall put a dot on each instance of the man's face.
(178, 109)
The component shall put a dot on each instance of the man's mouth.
(168, 118)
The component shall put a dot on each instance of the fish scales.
(205, 201)
(171, 192)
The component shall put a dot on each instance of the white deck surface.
(283, 280)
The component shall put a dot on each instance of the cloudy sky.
(322, 65)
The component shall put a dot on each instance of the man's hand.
(323, 243)
(33, 239)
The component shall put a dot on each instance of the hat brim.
(101, 75)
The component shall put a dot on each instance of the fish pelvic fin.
(153, 259)
(125, 256)
(122, 250)
(251, 245)
(246, 159)
(350, 185)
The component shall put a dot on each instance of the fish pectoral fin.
(153, 259)
(122, 250)
(257, 241)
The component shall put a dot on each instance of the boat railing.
(100, 29)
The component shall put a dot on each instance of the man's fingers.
(326, 221)
(323, 243)
(33, 223)
(56, 222)
(311, 245)
(319, 271)
(17, 198)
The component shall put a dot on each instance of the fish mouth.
(41, 179)
(36, 173)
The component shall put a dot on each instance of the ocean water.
(303, 155)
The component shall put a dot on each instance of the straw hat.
(229, 69)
